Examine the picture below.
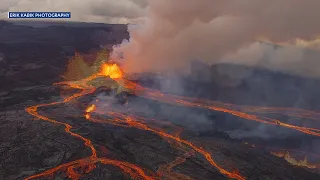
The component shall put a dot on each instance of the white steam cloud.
(171, 33)
(179, 31)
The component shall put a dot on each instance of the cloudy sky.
(108, 11)
(174, 32)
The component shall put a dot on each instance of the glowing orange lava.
(113, 71)
(86, 163)
(136, 123)
(217, 106)
(90, 108)
(167, 172)
(89, 162)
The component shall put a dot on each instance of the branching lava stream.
(112, 71)
(89, 162)
(132, 121)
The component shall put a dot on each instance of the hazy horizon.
(172, 33)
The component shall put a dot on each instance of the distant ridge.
(59, 23)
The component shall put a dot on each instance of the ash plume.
(178, 31)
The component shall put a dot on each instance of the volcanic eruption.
(118, 120)
(112, 77)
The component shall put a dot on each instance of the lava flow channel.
(135, 123)
(87, 163)
(115, 72)
(164, 170)
(216, 106)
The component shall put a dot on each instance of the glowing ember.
(87, 116)
(91, 108)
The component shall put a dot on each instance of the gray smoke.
(179, 31)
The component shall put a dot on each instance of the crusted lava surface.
(30, 146)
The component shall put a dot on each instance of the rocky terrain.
(32, 58)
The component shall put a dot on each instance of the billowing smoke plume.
(170, 33)
(179, 31)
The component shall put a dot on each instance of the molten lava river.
(110, 74)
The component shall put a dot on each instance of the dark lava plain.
(32, 58)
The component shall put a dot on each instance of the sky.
(172, 33)
(106, 11)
